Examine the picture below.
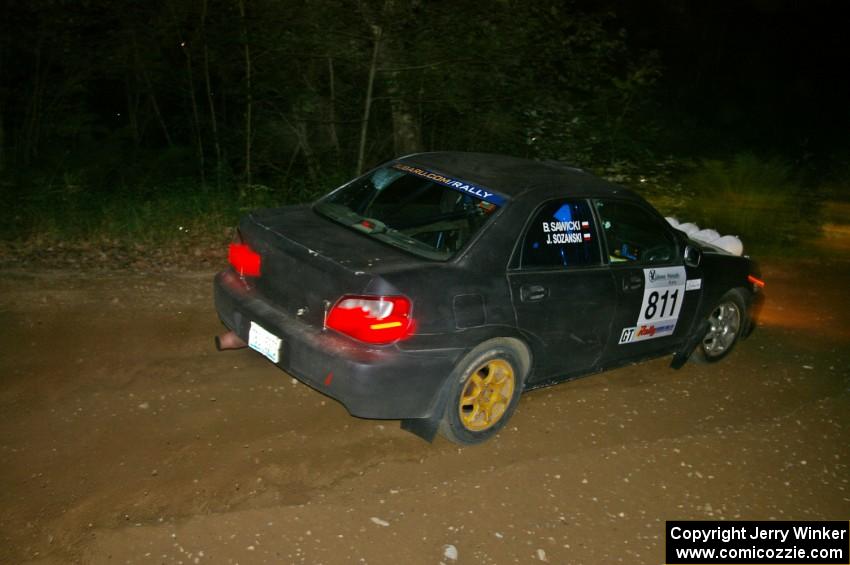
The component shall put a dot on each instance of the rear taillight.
(244, 260)
(373, 319)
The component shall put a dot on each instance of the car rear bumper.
(371, 382)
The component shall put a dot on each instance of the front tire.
(726, 323)
(485, 390)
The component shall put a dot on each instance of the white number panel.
(663, 294)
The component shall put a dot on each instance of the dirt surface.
(126, 438)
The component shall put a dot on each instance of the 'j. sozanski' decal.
(663, 294)
(461, 186)
(568, 231)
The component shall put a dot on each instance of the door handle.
(632, 282)
(532, 292)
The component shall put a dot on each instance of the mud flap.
(426, 428)
(681, 356)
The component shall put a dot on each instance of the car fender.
(427, 428)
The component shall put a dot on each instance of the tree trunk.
(367, 107)
(210, 103)
(407, 136)
(248, 94)
(160, 120)
(313, 168)
(196, 120)
(33, 116)
(2, 106)
(332, 109)
(150, 92)
(131, 86)
(2, 146)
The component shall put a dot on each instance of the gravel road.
(126, 438)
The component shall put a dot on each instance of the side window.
(561, 235)
(633, 234)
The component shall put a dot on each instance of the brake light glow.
(373, 319)
(757, 282)
(244, 260)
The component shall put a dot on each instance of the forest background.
(136, 125)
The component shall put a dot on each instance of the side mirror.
(692, 256)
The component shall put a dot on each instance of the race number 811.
(665, 298)
(663, 295)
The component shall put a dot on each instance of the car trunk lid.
(309, 262)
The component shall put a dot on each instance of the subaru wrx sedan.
(438, 287)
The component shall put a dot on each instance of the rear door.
(563, 295)
(655, 300)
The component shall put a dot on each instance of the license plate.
(265, 342)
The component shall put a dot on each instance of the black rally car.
(439, 286)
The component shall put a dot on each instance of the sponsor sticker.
(647, 331)
(664, 292)
(461, 186)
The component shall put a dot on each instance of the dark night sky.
(771, 73)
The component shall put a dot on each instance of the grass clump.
(157, 213)
(755, 199)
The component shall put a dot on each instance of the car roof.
(514, 176)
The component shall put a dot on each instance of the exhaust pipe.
(229, 340)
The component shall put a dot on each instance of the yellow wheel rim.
(486, 396)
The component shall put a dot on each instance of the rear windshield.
(423, 212)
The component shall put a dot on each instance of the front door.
(654, 305)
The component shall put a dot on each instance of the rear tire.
(726, 324)
(485, 390)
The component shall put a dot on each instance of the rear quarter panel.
(467, 300)
(451, 299)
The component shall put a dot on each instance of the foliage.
(132, 118)
(96, 84)
(144, 214)
(129, 118)
(758, 200)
